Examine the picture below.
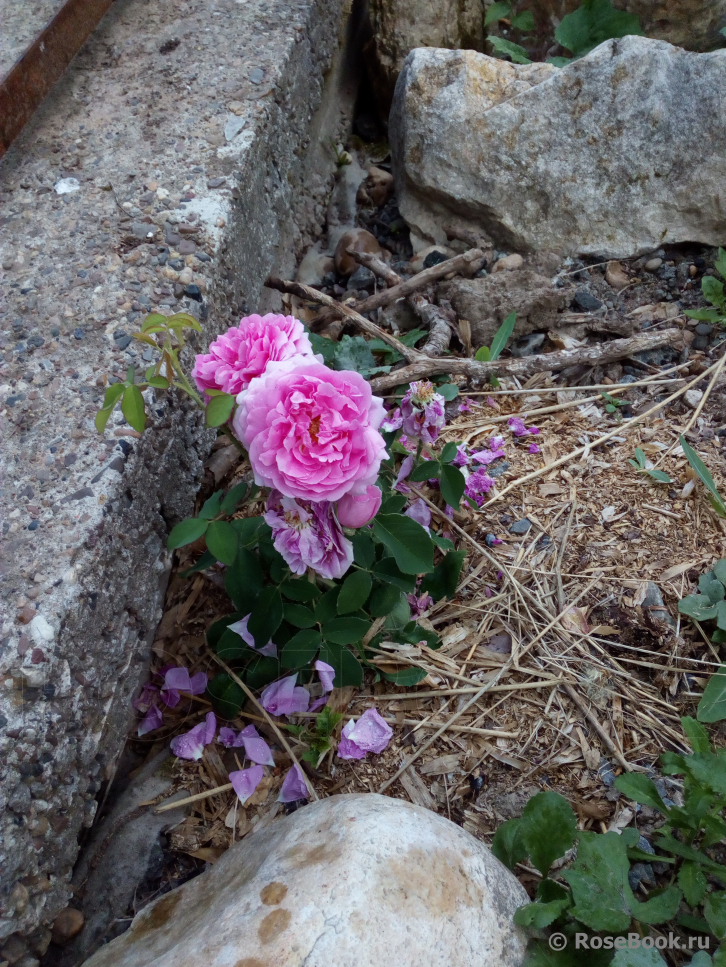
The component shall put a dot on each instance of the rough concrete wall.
(139, 121)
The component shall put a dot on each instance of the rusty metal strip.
(32, 78)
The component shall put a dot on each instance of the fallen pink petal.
(294, 786)
(146, 697)
(318, 703)
(240, 628)
(406, 468)
(227, 737)
(283, 698)
(245, 781)
(533, 448)
(369, 734)
(152, 720)
(191, 744)
(419, 511)
(255, 746)
(326, 673)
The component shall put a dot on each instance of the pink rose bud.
(355, 510)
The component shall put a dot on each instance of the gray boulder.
(616, 154)
(350, 881)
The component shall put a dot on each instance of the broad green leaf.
(218, 628)
(266, 615)
(551, 890)
(540, 954)
(518, 54)
(449, 452)
(702, 470)
(672, 845)
(393, 504)
(704, 315)
(708, 769)
(399, 615)
(425, 471)
(183, 320)
(452, 484)
(112, 395)
(539, 915)
(298, 589)
(714, 910)
(697, 606)
(599, 882)
(158, 382)
(483, 355)
(348, 670)
(548, 829)
(719, 958)
(638, 957)
(719, 570)
(222, 541)
(232, 648)
(712, 707)
(387, 570)
(702, 959)
(211, 506)
(233, 497)
(659, 475)
(720, 263)
(324, 347)
(504, 332)
(448, 390)
(250, 530)
(345, 631)
(225, 695)
(507, 844)
(592, 24)
(186, 532)
(445, 578)
(354, 592)
(409, 543)
(153, 320)
(713, 291)
(523, 21)
(262, 670)
(364, 550)
(353, 353)
(497, 11)
(301, 649)
(443, 542)
(640, 458)
(692, 880)
(384, 600)
(405, 676)
(132, 407)
(697, 735)
(298, 615)
(413, 633)
(709, 585)
(244, 580)
(205, 561)
(658, 909)
(327, 607)
(102, 418)
(714, 829)
(641, 789)
(219, 409)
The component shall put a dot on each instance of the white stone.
(350, 881)
(64, 186)
(41, 631)
(693, 397)
(584, 159)
(233, 126)
(509, 263)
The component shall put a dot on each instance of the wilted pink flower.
(355, 510)
(191, 744)
(419, 605)
(294, 786)
(240, 628)
(245, 781)
(486, 457)
(228, 737)
(283, 698)
(326, 673)
(239, 355)
(254, 745)
(311, 432)
(462, 456)
(478, 484)
(179, 680)
(488, 593)
(404, 471)
(423, 411)
(465, 406)
(419, 511)
(519, 429)
(393, 421)
(318, 703)
(533, 448)
(152, 720)
(146, 697)
(307, 535)
(492, 402)
(369, 734)
(496, 442)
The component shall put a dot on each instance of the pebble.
(216, 182)
(693, 397)
(700, 343)
(193, 292)
(702, 329)
(257, 75)
(586, 302)
(67, 925)
(652, 265)
(186, 247)
(362, 278)
(520, 526)
(615, 276)
(497, 469)
(233, 126)
(509, 263)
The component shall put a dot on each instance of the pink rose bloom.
(308, 535)
(486, 456)
(239, 355)
(369, 734)
(311, 432)
(422, 409)
(284, 697)
(355, 510)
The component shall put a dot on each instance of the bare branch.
(376, 265)
(435, 318)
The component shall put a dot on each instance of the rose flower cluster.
(312, 435)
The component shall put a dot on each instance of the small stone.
(192, 292)
(528, 345)
(122, 342)
(497, 469)
(362, 278)
(65, 186)
(693, 271)
(693, 397)
(359, 240)
(67, 925)
(652, 265)
(702, 329)
(615, 276)
(33, 525)
(216, 182)
(520, 526)
(586, 302)
(185, 276)
(233, 126)
(78, 333)
(257, 75)
(186, 247)
(509, 263)
(13, 948)
(699, 343)
(434, 258)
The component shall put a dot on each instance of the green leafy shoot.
(318, 738)
(713, 292)
(594, 22)
(704, 475)
(488, 354)
(507, 48)
(641, 465)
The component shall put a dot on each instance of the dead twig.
(377, 266)
(435, 318)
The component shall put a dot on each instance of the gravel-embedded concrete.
(187, 129)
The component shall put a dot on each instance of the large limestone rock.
(351, 881)
(616, 154)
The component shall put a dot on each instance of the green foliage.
(354, 353)
(702, 471)
(713, 292)
(598, 894)
(503, 334)
(593, 23)
(318, 738)
(706, 606)
(641, 463)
